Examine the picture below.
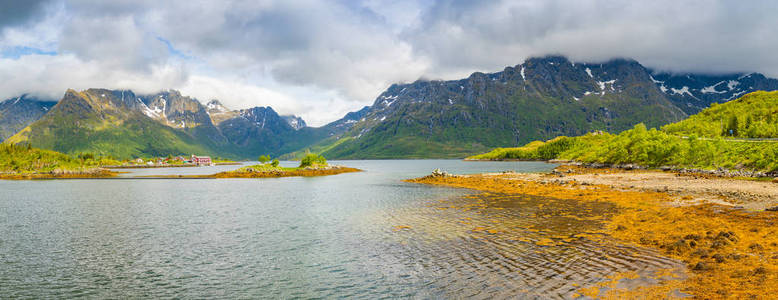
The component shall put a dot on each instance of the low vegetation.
(23, 160)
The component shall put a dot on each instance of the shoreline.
(168, 166)
(262, 174)
(729, 251)
(111, 175)
(92, 174)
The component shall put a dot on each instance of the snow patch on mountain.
(712, 89)
(732, 84)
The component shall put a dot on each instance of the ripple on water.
(494, 245)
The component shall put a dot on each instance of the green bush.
(275, 163)
(264, 159)
(312, 159)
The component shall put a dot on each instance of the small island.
(311, 165)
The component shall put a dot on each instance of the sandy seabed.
(716, 226)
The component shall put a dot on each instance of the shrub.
(264, 159)
(274, 163)
(311, 159)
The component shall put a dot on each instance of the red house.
(201, 160)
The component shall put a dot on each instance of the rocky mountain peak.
(296, 122)
(215, 106)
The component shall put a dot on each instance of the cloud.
(679, 36)
(49, 76)
(320, 59)
(19, 12)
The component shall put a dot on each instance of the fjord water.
(351, 235)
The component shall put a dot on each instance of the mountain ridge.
(123, 124)
(538, 99)
(535, 100)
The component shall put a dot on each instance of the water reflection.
(333, 236)
(495, 245)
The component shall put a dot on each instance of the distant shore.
(242, 173)
(154, 166)
(87, 174)
(718, 227)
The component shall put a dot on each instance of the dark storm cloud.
(15, 12)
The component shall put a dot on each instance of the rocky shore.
(723, 229)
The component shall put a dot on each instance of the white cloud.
(50, 76)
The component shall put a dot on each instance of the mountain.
(296, 122)
(126, 125)
(541, 98)
(17, 113)
(219, 112)
(537, 100)
(695, 92)
(116, 123)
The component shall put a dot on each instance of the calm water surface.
(365, 235)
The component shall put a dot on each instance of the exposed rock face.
(17, 113)
(294, 121)
(218, 112)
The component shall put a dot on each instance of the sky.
(322, 59)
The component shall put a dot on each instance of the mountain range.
(125, 125)
(536, 100)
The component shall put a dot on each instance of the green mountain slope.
(539, 99)
(754, 115)
(102, 121)
(677, 145)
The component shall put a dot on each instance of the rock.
(679, 246)
(756, 247)
(439, 173)
(718, 257)
(701, 266)
(774, 208)
(701, 252)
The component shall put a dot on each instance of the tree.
(732, 126)
(311, 159)
(274, 163)
(264, 159)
